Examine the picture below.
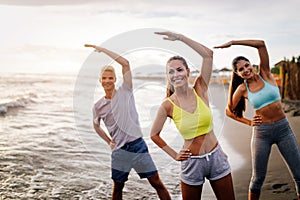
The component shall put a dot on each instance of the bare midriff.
(202, 144)
(271, 113)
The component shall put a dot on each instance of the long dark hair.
(236, 80)
(170, 88)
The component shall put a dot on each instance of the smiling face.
(177, 73)
(107, 80)
(244, 69)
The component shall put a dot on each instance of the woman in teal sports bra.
(202, 156)
(270, 125)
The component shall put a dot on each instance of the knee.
(156, 182)
(256, 183)
(118, 186)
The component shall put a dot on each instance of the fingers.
(226, 45)
(163, 33)
(220, 47)
(90, 45)
(257, 120)
(160, 33)
(166, 38)
(184, 154)
(112, 144)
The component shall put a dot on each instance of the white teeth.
(177, 79)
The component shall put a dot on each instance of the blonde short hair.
(107, 68)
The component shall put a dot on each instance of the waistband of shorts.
(207, 154)
(133, 142)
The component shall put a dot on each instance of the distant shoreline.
(155, 78)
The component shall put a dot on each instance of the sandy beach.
(278, 184)
(45, 155)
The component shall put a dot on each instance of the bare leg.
(191, 191)
(159, 187)
(253, 196)
(117, 191)
(223, 188)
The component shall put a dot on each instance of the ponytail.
(170, 90)
(236, 80)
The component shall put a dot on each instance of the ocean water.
(49, 150)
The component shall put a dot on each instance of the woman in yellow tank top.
(201, 156)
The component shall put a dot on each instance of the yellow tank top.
(192, 125)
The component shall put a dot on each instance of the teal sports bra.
(267, 95)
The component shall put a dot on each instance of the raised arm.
(262, 52)
(203, 51)
(119, 59)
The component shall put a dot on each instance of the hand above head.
(170, 35)
(90, 45)
(226, 45)
(97, 48)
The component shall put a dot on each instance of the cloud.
(60, 25)
(45, 2)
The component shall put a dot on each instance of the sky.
(48, 36)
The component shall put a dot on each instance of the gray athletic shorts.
(212, 166)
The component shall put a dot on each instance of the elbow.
(209, 54)
(126, 63)
(154, 138)
(96, 126)
(157, 140)
(261, 43)
(229, 113)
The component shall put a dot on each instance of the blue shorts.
(132, 155)
(212, 166)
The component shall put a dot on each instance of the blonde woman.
(202, 156)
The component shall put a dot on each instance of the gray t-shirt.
(119, 116)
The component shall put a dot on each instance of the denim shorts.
(212, 166)
(134, 155)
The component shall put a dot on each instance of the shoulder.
(241, 90)
(242, 87)
(99, 104)
(167, 106)
(99, 101)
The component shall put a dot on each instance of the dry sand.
(279, 184)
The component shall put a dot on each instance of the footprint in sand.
(279, 186)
